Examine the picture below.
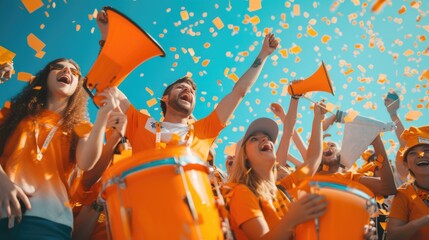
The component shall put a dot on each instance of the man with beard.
(178, 103)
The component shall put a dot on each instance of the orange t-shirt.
(408, 206)
(141, 131)
(244, 205)
(43, 181)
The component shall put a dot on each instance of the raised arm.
(288, 127)
(117, 123)
(228, 104)
(89, 148)
(398, 229)
(315, 147)
(385, 184)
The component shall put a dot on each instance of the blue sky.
(364, 47)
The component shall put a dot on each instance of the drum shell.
(146, 197)
(350, 205)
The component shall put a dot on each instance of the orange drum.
(161, 194)
(348, 211)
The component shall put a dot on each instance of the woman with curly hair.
(43, 137)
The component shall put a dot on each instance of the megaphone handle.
(316, 103)
(89, 91)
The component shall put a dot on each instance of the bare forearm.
(386, 174)
(92, 176)
(407, 230)
(314, 153)
(288, 127)
(399, 128)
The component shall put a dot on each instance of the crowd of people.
(52, 160)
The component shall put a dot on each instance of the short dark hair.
(167, 91)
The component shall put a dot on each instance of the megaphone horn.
(319, 81)
(126, 47)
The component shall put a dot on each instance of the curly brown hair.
(33, 99)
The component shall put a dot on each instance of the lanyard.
(48, 139)
(188, 138)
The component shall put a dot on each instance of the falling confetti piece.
(218, 23)
(325, 39)
(413, 115)
(151, 102)
(378, 4)
(6, 56)
(149, 91)
(230, 150)
(184, 15)
(32, 5)
(25, 77)
(295, 49)
(402, 9)
(254, 5)
(35, 43)
(233, 77)
(351, 115)
(296, 10)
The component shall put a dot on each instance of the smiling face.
(62, 80)
(417, 160)
(260, 150)
(330, 153)
(181, 98)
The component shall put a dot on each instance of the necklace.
(41, 151)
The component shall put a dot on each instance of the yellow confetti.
(254, 5)
(218, 23)
(149, 91)
(32, 5)
(151, 102)
(184, 15)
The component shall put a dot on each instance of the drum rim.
(342, 187)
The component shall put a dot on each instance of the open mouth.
(267, 148)
(186, 97)
(64, 79)
(423, 163)
(328, 153)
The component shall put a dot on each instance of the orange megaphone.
(319, 81)
(126, 47)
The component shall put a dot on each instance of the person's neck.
(57, 105)
(175, 118)
(422, 182)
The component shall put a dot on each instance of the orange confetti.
(218, 23)
(184, 15)
(254, 5)
(296, 10)
(77, 27)
(350, 70)
(32, 5)
(206, 45)
(283, 53)
(378, 5)
(6, 56)
(25, 77)
(413, 115)
(40, 54)
(295, 49)
(351, 115)
(151, 102)
(408, 52)
(205, 63)
(35, 43)
(233, 77)
(230, 150)
(326, 38)
(402, 9)
(311, 32)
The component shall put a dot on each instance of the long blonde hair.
(242, 172)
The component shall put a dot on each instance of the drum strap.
(188, 138)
